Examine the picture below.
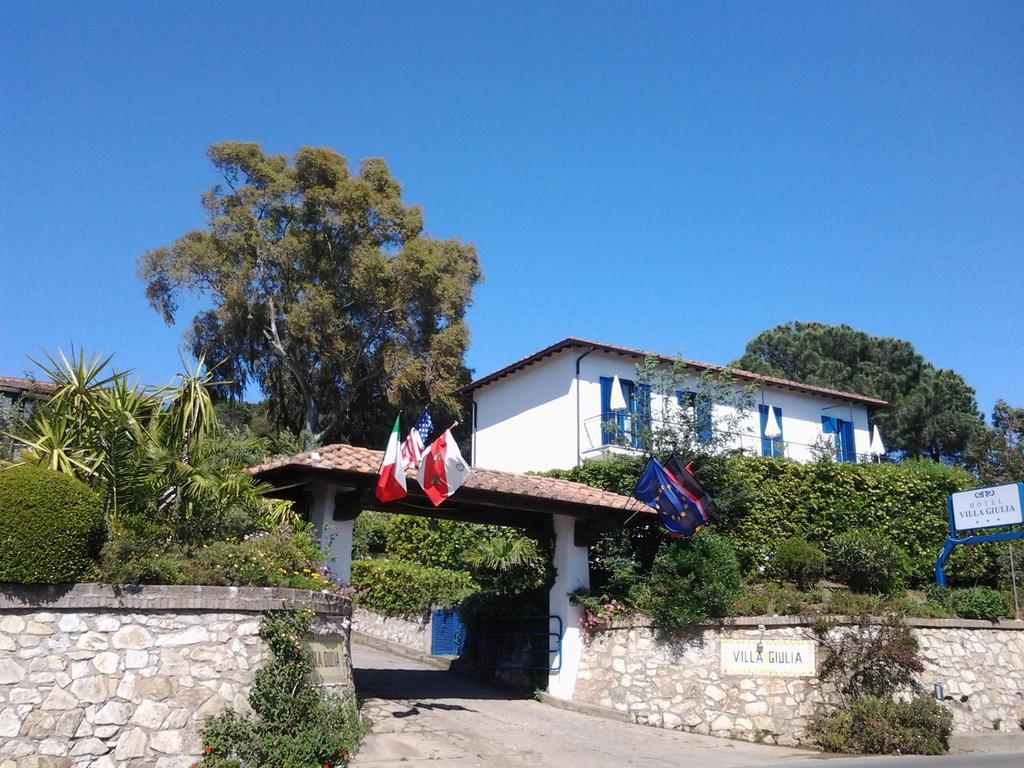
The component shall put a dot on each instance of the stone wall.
(92, 675)
(677, 683)
(408, 631)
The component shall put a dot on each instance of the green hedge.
(432, 542)
(395, 587)
(763, 501)
(819, 501)
(51, 527)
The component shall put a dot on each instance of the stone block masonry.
(412, 632)
(677, 681)
(105, 677)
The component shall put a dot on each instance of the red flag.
(391, 480)
(442, 469)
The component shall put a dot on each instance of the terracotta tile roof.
(365, 461)
(758, 378)
(18, 385)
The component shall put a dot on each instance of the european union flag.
(659, 490)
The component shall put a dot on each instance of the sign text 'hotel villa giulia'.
(987, 507)
(783, 657)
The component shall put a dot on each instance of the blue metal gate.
(447, 633)
(521, 643)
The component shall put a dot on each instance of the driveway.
(424, 716)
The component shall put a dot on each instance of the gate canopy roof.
(488, 496)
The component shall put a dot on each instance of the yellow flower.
(316, 575)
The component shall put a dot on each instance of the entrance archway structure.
(336, 482)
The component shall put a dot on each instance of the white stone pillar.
(573, 571)
(334, 535)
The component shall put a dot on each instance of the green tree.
(931, 412)
(999, 452)
(324, 291)
(685, 429)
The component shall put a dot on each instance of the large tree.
(998, 452)
(931, 412)
(322, 288)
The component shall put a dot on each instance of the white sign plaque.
(987, 507)
(784, 657)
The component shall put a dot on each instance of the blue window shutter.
(770, 446)
(703, 411)
(849, 441)
(640, 405)
(828, 427)
(606, 409)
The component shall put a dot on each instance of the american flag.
(414, 445)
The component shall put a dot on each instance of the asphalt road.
(423, 716)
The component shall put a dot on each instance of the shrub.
(980, 603)
(751, 601)
(369, 534)
(140, 555)
(878, 726)
(872, 658)
(294, 724)
(693, 580)
(51, 526)
(394, 587)
(798, 560)
(769, 599)
(972, 602)
(868, 561)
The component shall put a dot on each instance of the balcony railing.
(630, 432)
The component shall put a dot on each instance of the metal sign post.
(989, 507)
(1013, 580)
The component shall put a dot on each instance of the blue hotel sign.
(995, 506)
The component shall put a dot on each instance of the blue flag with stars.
(658, 490)
(424, 426)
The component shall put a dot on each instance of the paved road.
(423, 716)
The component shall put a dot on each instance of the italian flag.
(442, 469)
(391, 479)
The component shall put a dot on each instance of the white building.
(552, 410)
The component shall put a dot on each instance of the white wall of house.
(528, 420)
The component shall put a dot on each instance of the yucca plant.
(147, 450)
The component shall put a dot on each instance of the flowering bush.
(263, 559)
(598, 611)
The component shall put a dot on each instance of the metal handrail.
(628, 436)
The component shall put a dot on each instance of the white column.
(573, 572)
(334, 535)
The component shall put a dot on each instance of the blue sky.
(672, 176)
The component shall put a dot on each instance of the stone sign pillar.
(573, 571)
(335, 535)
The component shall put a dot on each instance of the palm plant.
(147, 450)
(502, 553)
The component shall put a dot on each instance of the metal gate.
(520, 643)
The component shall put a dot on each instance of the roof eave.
(572, 341)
